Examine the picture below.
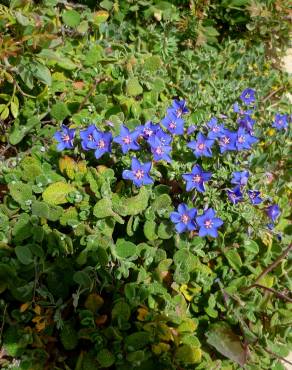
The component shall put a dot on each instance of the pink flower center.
(148, 132)
(208, 224)
(101, 144)
(215, 129)
(139, 174)
(127, 140)
(172, 125)
(197, 178)
(226, 140)
(178, 112)
(66, 138)
(185, 218)
(159, 150)
(201, 146)
(90, 137)
(241, 139)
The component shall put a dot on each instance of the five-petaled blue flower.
(254, 196)
(148, 130)
(208, 223)
(244, 139)
(227, 140)
(280, 122)
(184, 218)
(241, 111)
(178, 108)
(273, 212)
(101, 143)
(65, 138)
(246, 122)
(248, 96)
(196, 179)
(174, 124)
(164, 138)
(159, 150)
(235, 195)
(87, 136)
(240, 178)
(215, 129)
(139, 173)
(127, 139)
(202, 146)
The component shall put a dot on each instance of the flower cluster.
(159, 139)
(186, 219)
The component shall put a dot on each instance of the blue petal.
(175, 217)
(180, 227)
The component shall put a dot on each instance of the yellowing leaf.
(56, 193)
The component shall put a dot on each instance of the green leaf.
(105, 358)
(133, 87)
(71, 18)
(57, 193)
(234, 259)
(24, 255)
(103, 208)
(137, 340)
(82, 278)
(161, 203)
(221, 337)
(131, 206)
(188, 354)
(125, 249)
(43, 74)
(153, 63)
(20, 192)
(251, 246)
(40, 209)
(150, 230)
(59, 111)
(121, 311)
(165, 230)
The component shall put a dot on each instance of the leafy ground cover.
(127, 243)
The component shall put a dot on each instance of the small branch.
(3, 322)
(22, 92)
(278, 294)
(271, 267)
(91, 90)
(272, 94)
(278, 357)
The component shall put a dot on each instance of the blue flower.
(240, 178)
(178, 108)
(127, 139)
(215, 129)
(254, 196)
(101, 143)
(208, 223)
(87, 136)
(148, 130)
(246, 122)
(235, 195)
(248, 96)
(184, 218)
(227, 140)
(196, 179)
(244, 139)
(280, 122)
(65, 138)
(174, 124)
(159, 150)
(273, 212)
(164, 138)
(202, 146)
(241, 111)
(139, 173)
(191, 129)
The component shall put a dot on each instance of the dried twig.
(272, 94)
(97, 81)
(278, 294)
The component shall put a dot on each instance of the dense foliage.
(144, 185)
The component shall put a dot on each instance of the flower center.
(172, 125)
(252, 195)
(148, 132)
(139, 174)
(179, 112)
(208, 224)
(158, 150)
(197, 178)
(201, 146)
(226, 140)
(66, 138)
(241, 139)
(101, 144)
(90, 137)
(280, 122)
(215, 129)
(185, 218)
(127, 140)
